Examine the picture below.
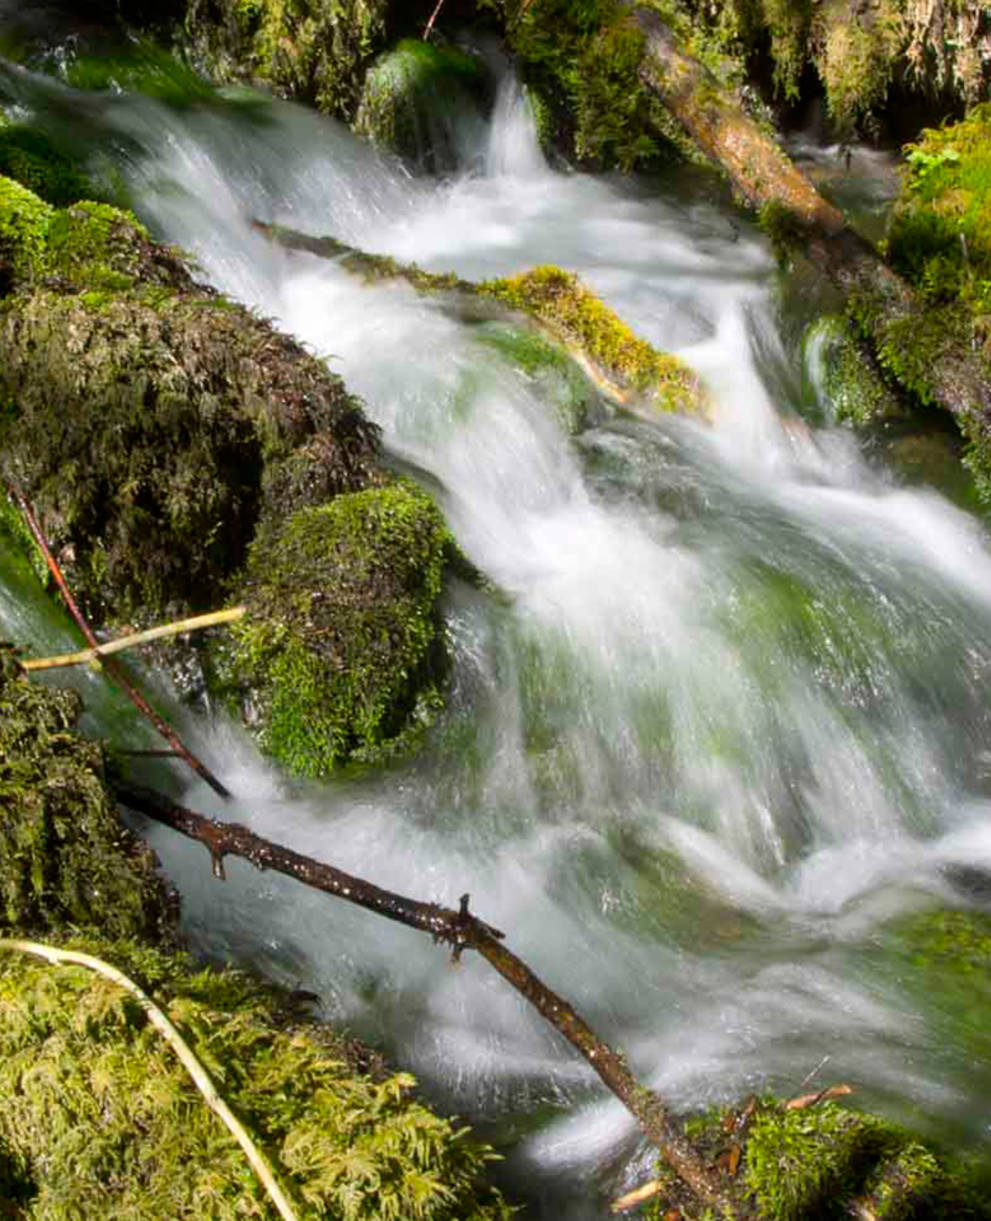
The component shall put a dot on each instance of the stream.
(729, 720)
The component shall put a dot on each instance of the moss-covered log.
(550, 301)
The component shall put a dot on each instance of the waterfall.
(728, 720)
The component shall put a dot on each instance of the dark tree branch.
(461, 930)
(109, 664)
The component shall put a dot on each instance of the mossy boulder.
(847, 379)
(65, 856)
(99, 1118)
(416, 98)
(315, 51)
(342, 650)
(30, 157)
(147, 415)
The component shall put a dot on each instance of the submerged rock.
(847, 380)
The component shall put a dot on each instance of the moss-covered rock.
(342, 646)
(173, 407)
(30, 157)
(65, 857)
(416, 96)
(316, 51)
(846, 377)
(592, 331)
(99, 1119)
(24, 221)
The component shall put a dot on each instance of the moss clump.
(576, 317)
(316, 51)
(100, 1119)
(342, 645)
(30, 157)
(822, 1161)
(65, 857)
(414, 94)
(24, 222)
(103, 249)
(847, 379)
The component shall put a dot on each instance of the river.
(728, 721)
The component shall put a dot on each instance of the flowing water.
(728, 721)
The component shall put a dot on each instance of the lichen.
(65, 857)
(342, 649)
(100, 1119)
(579, 319)
(413, 97)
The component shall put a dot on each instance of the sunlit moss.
(24, 223)
(582, 321)
(99, 1119)
(342, 648)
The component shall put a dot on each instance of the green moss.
(342, 646)
(16, 542)
(171, 407)
(65, 857)
(143, 68)
(316, 51)
(413, 93)
(582, 321)
(849, 380)
(100, 1119)
(30, 157)
(24, 223)
(818, 1162)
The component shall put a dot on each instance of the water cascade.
(726, 722)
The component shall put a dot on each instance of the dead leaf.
(633, 1198)
(729, 1159)
(810, 1100)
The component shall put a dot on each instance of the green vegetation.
(811, 1163)
(342, 648)
(65, 857)
(31, 158)
(411, 96)
(851, 384)
(100, 1119)
(590, 329)
(316, 51)
(175, 407)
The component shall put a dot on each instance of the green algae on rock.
(65, 857)
(412, 96)
(99, 1119)
(342, 647)
(590, 329)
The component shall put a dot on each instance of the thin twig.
(200, 1076)
(461, 930)
(428, 28)
(192, 624)
(111, 666)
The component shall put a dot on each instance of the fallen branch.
(200, 1076)
(460, 930)
(428, 28)
(194, 623)
(112, 668)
